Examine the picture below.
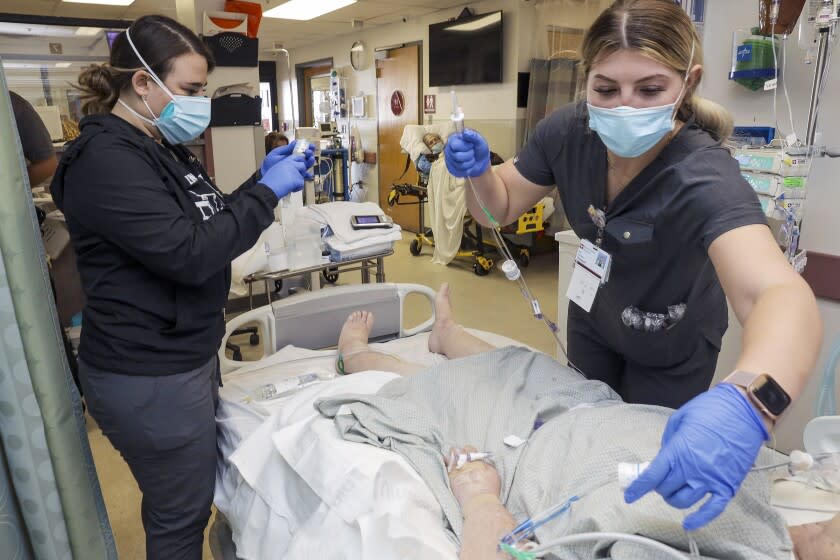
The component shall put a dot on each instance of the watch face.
(770, 394)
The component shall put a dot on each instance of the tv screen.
(466, 50)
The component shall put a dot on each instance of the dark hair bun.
(99, 93)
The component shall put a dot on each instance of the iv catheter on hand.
(458, 460)
(509, 266)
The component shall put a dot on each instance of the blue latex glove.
(467, 154)
(277, 155)
(287, 176)
(708, 447)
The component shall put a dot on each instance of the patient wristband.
(478, 503)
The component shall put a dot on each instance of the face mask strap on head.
(154, 76)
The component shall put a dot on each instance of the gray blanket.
(585, 431)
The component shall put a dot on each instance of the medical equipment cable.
(785, 88)
(509, 266)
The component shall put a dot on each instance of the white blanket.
(254, 259)
(448, 206)
(337, 216)
(295, 480)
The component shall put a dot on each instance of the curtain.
(555, 80)
(51, 506)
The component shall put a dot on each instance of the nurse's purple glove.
(708, 447)
(287, 176)
(277, 155)
(467, 154)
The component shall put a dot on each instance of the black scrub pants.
(165, 429)
(634, 381)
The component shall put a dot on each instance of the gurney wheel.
(237, 356)
(415, 248)
(254, 339)
(480, 270)
(331, 275)
(524, 258)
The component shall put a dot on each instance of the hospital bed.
(286, 482)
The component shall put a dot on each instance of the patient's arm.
(486, 520)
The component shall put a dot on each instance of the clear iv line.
(509, 267)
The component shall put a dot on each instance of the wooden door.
(398, 104)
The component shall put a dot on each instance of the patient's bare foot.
(353, 339)
(443, 321)
(812, 542)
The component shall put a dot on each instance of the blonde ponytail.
(711, 117)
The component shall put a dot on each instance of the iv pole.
(819, 78)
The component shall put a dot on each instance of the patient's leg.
(354, 354)
(448, 337)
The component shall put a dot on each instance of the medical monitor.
(466, 50)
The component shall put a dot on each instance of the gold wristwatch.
(763, 391)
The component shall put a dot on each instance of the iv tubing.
(523, 286)
(458, 122)
(588, 537)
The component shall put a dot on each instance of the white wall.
(820, 231)
(490, 108)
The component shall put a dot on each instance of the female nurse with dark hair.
(154, 239)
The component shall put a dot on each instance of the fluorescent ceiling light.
(88, 31)
(105, 2)
(475, 25)
(303, 10)
(63, 64)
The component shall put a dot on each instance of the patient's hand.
(473, 479)
(476, 486)
(815, 541)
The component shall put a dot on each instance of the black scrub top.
(658, 229)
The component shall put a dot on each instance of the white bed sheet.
(287, 479)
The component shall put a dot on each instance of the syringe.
(509, 266)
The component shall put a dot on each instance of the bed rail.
(314, 319)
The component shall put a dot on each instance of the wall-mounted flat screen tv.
(466, 50)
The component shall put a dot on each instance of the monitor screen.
(326, 127)
(367, 219)
(111, 36)
(467, 50)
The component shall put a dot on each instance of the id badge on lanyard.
(592, 266)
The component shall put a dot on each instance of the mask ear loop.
(679, 101)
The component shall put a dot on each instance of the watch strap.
(741, 378)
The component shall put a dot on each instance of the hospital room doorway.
(398, 104)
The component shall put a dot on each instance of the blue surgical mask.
(629, 132)
(183, 118)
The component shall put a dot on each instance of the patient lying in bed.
(574, 432)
